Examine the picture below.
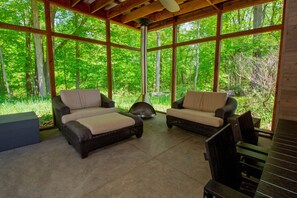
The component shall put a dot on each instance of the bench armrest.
(178, 104)
(106, 102)
(227, 110)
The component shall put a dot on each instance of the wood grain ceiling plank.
(143, 11)
(125, 6)
(184, 8)
(213, 5)
(81, 8)
(98, 4)
(146, 10)
(190, 16)
(74, 2)
(206, 12)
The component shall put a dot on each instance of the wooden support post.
(218, 53)
(278, 78)
(173, 80)
(108, 54)
(49, 41)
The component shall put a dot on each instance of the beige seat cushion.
(87, 112)
(71, 99)
(90, 98)
(106, 123)
(206, 118)
(193, 100)
(78, 99)
(204, 101)
(213, 101)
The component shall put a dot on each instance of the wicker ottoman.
(90, 133)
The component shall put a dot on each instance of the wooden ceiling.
(130, 12)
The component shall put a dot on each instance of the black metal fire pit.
(142, 106)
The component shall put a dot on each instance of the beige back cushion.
(213, 100)
(204, 101)
(71, 99)
(90, 98)
(193, 100)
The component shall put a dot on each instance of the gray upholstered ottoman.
(90, 133)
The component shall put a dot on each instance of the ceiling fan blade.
(170, 5)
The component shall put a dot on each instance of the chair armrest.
(252, 147)
(227, 110)
(60, 109)
(264, 133)
(248, 154)
(106, 102)
(178, 104)
(252, 163)
(214, 188)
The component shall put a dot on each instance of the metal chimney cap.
(144, 21)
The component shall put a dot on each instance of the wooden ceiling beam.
(206, 12)
(81, 8)
(125, 6)
(213, 5)
(143, 11)
(98, 4)
(184, 8)
(160, 25)
(133, 25)
(196, 15)
(191, 16)
(74, 2)
(146, 10)
(239, 4)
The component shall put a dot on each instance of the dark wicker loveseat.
(92, 107)
(201, 112)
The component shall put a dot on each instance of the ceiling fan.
(170, 5)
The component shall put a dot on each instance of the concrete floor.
(163, 163)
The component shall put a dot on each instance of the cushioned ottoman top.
(106, 122)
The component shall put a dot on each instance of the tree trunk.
(46, 74)
(158, 63)
(28, 64)
(257, 23)
(77, 74)
(4, 74)
(38, 50)
(197, 58)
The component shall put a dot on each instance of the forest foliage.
(248, 64)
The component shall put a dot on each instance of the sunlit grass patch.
(41, 106)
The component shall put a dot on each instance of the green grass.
(41, 106)
(160, 103)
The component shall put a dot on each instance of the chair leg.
(169, 125)
(206, 194)
(84, 155)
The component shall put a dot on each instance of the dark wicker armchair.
(207, 121)
(61, 109)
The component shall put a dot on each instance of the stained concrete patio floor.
(163, 163)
